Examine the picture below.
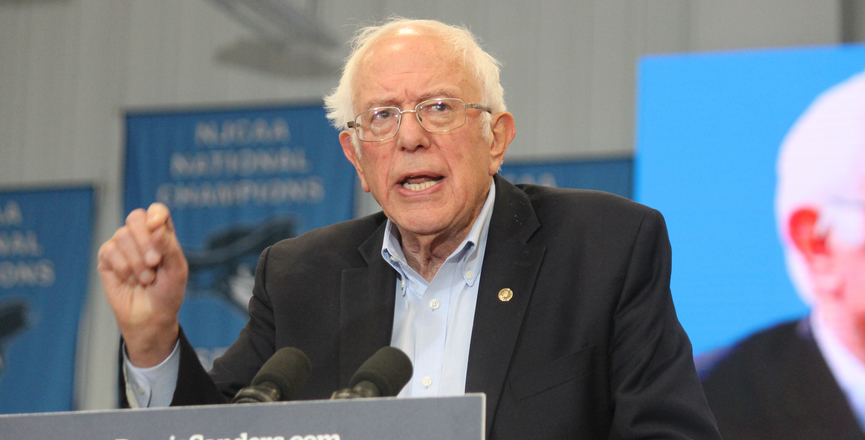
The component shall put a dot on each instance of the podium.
(459, 417)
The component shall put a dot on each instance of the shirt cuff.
(151, 387)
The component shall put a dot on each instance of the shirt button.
(470, 274)
(434, 304)
(427, 381)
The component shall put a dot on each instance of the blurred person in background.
(805, 379)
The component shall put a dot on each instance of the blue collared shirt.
(433, 321)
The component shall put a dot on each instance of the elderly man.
(805, 379)
(555, 303)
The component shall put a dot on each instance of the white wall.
(69, 69)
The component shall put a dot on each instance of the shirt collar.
(391, 250)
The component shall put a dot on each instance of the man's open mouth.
(420, 183)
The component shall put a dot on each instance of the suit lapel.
(365, 308)
(510, 262)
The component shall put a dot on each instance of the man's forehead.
(410, 50)
(393, 99)
(410, 67)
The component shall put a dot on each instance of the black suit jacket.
(589, 347)
(775, 384)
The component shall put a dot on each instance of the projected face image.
(755, 387)
(831, 243)
(820, 207)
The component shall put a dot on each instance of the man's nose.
(411, 134)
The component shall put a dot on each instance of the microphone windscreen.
(288, 368)
(389, 369)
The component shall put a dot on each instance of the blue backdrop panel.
(236, 181)
(610, 175)
(45, 238)
(709, 129)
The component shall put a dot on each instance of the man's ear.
(351, 154)
(814, 245)
(503, 132)
(803, 232)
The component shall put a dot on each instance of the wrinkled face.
(427, 183)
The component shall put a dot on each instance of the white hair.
(821, 166)
(485, 69)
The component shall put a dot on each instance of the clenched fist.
(144, 274)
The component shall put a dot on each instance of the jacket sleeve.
(654, 384)
(193, 387)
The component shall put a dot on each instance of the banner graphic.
(236, 181)
(45, 239)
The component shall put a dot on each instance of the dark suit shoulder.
(775, 384)
(585, 207)
(589, 201)
(329, 244)
(592, 217)
(766, 346)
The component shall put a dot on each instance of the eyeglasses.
(847, 202)
(435, 116)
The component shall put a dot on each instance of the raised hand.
(144, 274)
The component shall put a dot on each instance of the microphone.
(382, 375)
(279, 379)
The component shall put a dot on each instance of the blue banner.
(45, 238)
(236, 181)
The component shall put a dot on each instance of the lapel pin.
(506, 294)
